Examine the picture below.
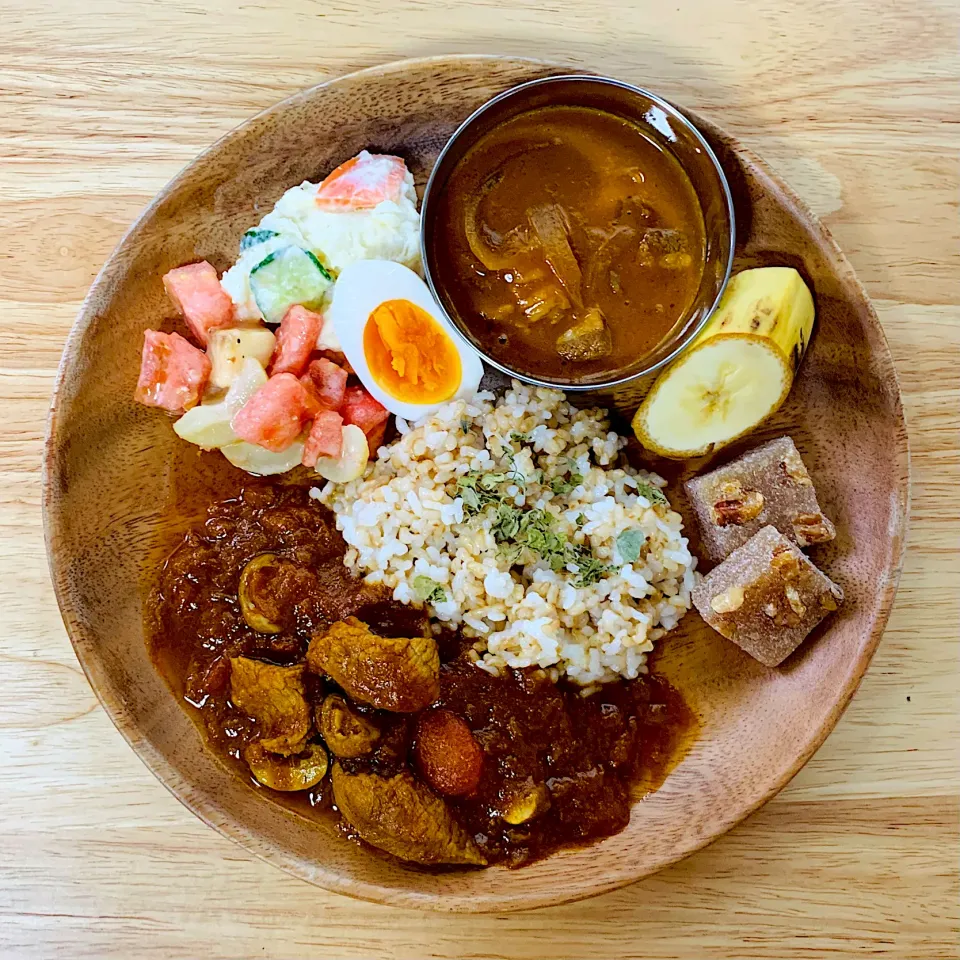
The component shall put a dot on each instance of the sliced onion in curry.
(496, 250)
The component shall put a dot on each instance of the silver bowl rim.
(673, 112)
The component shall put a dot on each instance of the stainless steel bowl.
(664, 124)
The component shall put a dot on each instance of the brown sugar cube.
(769, 485)
(766, 597)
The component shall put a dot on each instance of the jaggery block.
(766, 597)
(768, 485)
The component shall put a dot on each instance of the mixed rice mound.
(515, 520)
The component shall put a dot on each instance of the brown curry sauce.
(632, 221)
(594, 754)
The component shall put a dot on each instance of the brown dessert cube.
(766, 597)
(769, 485)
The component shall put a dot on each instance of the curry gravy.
(563, 213)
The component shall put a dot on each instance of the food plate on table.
(491, 567)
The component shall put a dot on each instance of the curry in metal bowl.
(578, 231)
(571, 239)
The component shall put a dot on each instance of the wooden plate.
(115, 470)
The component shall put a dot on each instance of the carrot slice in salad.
(362, 409)
(296, 340)
(329, 381)
(362, 182)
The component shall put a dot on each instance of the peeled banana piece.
(737, 372)
(771, 302)
(716, 392)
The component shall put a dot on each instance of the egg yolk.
(409, 354)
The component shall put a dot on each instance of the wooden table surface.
(857, 103)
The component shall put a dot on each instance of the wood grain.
(857, 104)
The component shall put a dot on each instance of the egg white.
(359, 290)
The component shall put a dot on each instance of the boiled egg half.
(397, 339)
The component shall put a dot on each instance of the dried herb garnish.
(652, 493)
(428, 590)
(629, 544)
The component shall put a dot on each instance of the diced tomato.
(326, 438)
(375, 438)
(173, 372)
(274, 416)
(362, 182)
(360, 408)
(296, 340)
(197, 294)
(329, 381)
(311, 399)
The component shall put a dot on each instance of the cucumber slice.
(287, 277)
(252, 237)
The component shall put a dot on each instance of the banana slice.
(718, 391)
(771, 302)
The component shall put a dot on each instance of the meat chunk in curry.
(399, 674)
(403, 816)
(587, 339)
(664, 248)
(276, 698)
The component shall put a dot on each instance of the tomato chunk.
(311, 399)
(197, 294)
(329, 381)
(360, 408)
(326, 438)
(274, 416)
(362, 182)
(296, 340)
(173, 372)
